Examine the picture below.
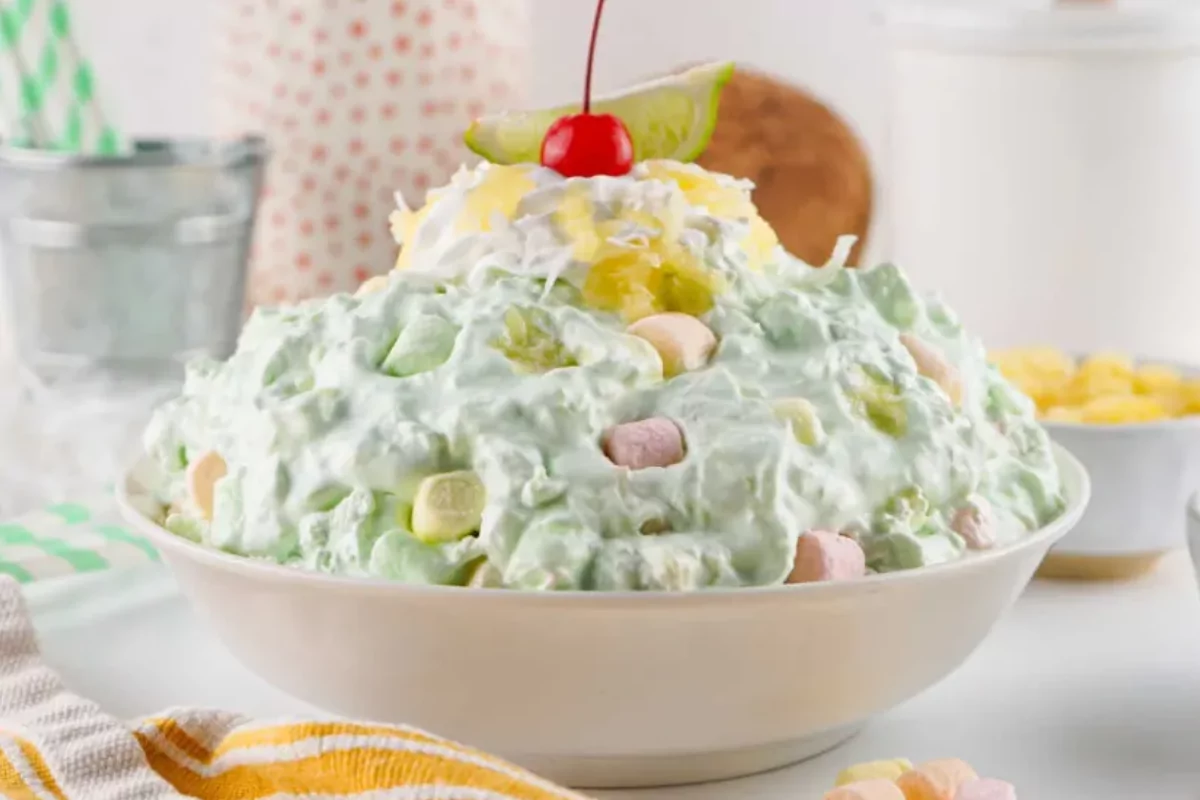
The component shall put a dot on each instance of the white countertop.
(1085, 691)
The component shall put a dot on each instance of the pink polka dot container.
(359, 101)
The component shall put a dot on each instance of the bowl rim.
(1075, 482)
(1172, 423)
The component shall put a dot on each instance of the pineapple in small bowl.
(1135, 425)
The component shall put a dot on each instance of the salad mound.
(604, 383)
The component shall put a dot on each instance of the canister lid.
(1045, 25)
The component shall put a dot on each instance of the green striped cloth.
(68, 539)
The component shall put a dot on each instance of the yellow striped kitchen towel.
(58, 746)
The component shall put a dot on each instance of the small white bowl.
(602, 690)
(1193, 525)
(1142, 477)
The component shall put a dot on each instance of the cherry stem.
(587, 80)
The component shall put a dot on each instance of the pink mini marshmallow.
(654, 442)
(976, 524)
(825, 556)
(986, 789)
(873, 789)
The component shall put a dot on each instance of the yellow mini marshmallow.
(933, 365)
(936, 780)
(683, 342)
(448, 506)
(485, 575)
(802, 416)
(201, 476)
(887, 769)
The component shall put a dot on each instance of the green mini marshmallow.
(401, 557)
(908, 507)
(326, 497)
(892, 295)
(882, 404)
(448, 506)
(186, 527)
(424, 344)
(894, 551)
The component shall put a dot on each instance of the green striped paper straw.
(57, 102)
(23, 120)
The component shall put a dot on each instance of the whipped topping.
(500, 346)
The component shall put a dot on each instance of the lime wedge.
(672, 117)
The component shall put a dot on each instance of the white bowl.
(622, 689)
(1142, 477)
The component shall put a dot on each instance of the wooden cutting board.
(813, 178)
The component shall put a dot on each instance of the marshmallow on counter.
(448, 506)
(934, 366)
(889, 768)
(683, 342)
(936, 780)
(897, 779)
(201, 476)
(653, 442)
(826, 556)
(871, 789)
(986, 789)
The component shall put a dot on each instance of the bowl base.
(1079, 567)
(645, 772)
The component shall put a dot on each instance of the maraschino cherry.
(585, 145)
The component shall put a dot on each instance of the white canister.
(1045, 169)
